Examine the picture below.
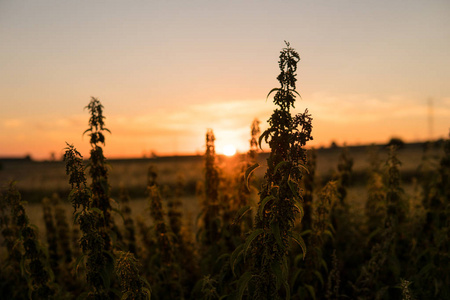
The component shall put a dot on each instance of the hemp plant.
(244, 187)
(34, 262)
(280, 199)
(210, 209)
(98, 263)
(98, 169)
(133, 285)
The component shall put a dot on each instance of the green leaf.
(279, 165)
(83, 295)
(78, 261)
(275, 266)
(328, 233)
(288, 290)
(248, 172)
(119, 213)
(304, 167)
(148, 292)
(324, 265)
(22, 267)
(319, 276)
(234, 256)
(275, 226)
(305, 232)
(301, 211)
(294, 189)
(263, 204)
(76, 216)
(242, 284)
(97, 210)
(250, 239)
(298, 238)
(105, 274)
(240, 213)
(311, 291)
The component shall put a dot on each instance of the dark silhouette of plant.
(308, 191)
(375, 205)
(133, 285)
(12, 285)
(174, 209)
(210, 210)
(33, 260)
(51, 234)
(130, 231)
(99, 264)
(167, 279)
(98, 169)
(62, 229)
(280, 200)
(244, 184)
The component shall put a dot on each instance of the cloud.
(350, 118)
(12, 123)
(363, 109)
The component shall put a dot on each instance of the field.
(362, 222)
(39, 179)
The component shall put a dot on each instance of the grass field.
(37, 179)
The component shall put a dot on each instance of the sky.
(166, 71)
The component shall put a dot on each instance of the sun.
(229, 150)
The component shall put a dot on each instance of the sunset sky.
(166, 71)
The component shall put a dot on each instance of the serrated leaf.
(311, 291)
(299, 240)
(288, 290)
(234, 256)
(248, 172)
(106, 277)
(148, 292)
(319, 276)
(295, 276)
(264, 202)
(275, 266)
(301, 211)
(304, 167)
(242, 284)
(76, 216)
(294, 189)
(328, 233)
(119, 213)
(250, 239)
(97, 210)
(83, 296)
(263, 136)
(240, 213)
(275, 226)
(271, 91)
(279, 165)
(324, 265)
(78, 261)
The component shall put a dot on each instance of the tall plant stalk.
(280, 200)
(98, 169)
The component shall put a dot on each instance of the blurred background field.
(39, 179)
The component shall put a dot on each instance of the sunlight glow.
(229, 150)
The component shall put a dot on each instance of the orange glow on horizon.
(229, 150)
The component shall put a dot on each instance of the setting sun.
(229, 150)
